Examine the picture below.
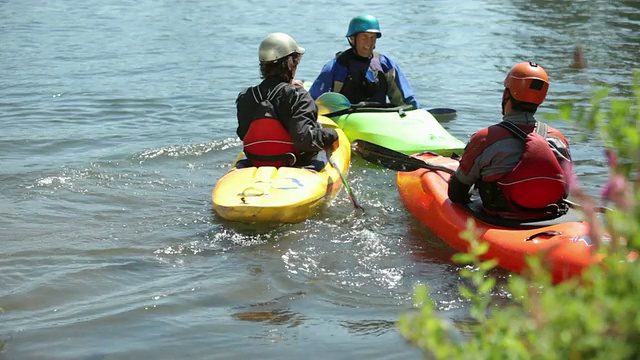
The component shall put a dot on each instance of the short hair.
(282, 67)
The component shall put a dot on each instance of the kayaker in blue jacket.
(362, 74)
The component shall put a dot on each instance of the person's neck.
(356, 54)
(519, 117)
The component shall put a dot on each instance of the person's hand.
(334, 146)
(297, 82)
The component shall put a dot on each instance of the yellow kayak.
(268, 194)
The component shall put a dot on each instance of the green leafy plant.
(593, 316)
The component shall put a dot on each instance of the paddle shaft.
(398, 161)
(392, 159)
(434, 111)
(352, 197)
(333, 104)
(441, 111)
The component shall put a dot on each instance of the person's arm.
(399, 90)
(559, 143)
(242, 115)
(324, 82)
(458, 191)
(560, 148)
(307, 134)
(469, 169)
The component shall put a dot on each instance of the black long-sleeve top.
(296, 110)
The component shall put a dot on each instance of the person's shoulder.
(490, 133)
(297, 91)
(385, 60)
(383, 57)
(553, 132)
(341, 58)
(289, 87)
(243, 93)
(489, 129)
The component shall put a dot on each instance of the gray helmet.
(277, 46)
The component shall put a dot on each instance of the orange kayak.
(564, 242)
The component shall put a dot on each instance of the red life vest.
(267, 142)
(536, 185)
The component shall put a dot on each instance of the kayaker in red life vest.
(278, 121)
(362, 74)
(517, 166)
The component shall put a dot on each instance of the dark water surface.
(118, 117)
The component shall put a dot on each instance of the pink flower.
(620, 191)
(572, 179)
(612, 159)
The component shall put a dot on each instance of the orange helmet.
(527, 82)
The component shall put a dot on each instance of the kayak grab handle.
(251, 191)
(543, 233)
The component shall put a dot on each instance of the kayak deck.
(407, 131)
(268, 194)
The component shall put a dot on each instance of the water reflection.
(275, 312)
(369, 327)
(275, 317)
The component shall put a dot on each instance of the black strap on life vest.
(540, 127)
(287, 159)
(257, 94)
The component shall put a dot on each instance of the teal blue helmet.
(364, 23)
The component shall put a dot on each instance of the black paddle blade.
(386, 157)
(442, 112)
(392, 159)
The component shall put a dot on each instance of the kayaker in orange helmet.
(278, 121)
(362, 74)
(518, 166)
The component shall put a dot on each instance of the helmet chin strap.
(506, 96)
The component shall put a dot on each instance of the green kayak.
(403, 128)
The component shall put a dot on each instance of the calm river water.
(117, 118)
